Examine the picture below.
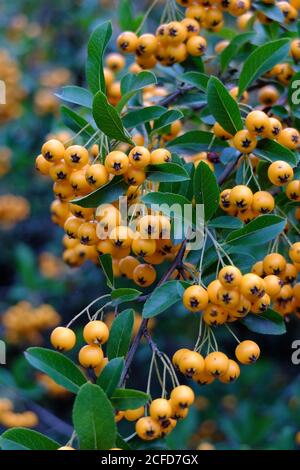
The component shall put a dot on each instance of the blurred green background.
(47, 41)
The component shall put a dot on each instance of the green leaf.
(260, 230)
(140, 116)
(197, 79)
(196, 141)
(59, 367)
(173, 205)
(120, 334)
(26, 439)
(126, 20)
(109, 378)
(223, 106)
(266, 323)
(124, 294)
(227, 222)
(94, 419)
(261, 60)
(132, 83)
(96, 48)
(272, 151)
(128, 399)
(167, 172)
(271, 11)
(75, 121)
(104, 195)
(76, 95)
(165, 120)
(233, 48)
(108, 119)
(162, 298)
(107, 268)
(206, 189)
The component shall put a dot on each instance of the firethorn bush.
(179, 180)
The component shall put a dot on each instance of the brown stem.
(143, 327)
(228, 170)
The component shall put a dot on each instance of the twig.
(143, 326)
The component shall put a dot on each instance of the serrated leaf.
(96, 47)
(261, 60)
(59, 367)
(26, 439)
(94, 419)
(110, 376)
(108, 120)
(262, 229)
(120, 334)
(128, 399)
(266, 323)
(206, 189)
(223, 106)
(76, 95)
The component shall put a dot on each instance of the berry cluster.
(11, 419)
(5, 160)
(24, 323)
(89, 234)
(11, 77)
(279, 277)
(13, 209)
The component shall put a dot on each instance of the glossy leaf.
(163, 297)
(223, 106)
(167, 172)
(260, 230)
(127, 399)
(108, 120)
(267, 323)
(206, 189)
(262, 59)
(26, 439)
(59, 367)
(109, 377)
(76, 95)
(107, 268)
(104, 195)
(120, 334)
(94, 419)
(96, 48)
